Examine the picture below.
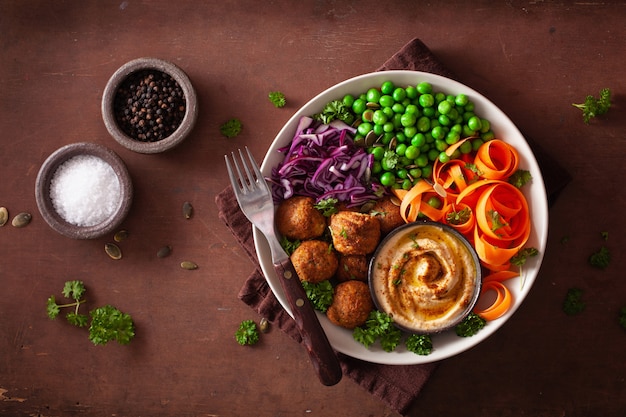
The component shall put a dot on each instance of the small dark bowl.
(44, 201)
(108, 102)
(470, 300)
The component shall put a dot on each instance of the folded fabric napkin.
(396, 385)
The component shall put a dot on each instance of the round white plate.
(446, 344)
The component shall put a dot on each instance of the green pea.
(439, 97)
(422, 160)
(461, 100)
(424, 88)
(388, 127)
(378, 129)
(408, 119)
(399, 94)
(410, 131)
(387, 87)
(411, 92)
(444, 107)
(415, 172)
(466, 147)
(407, 184)
(469, 106)
(387, 179)
(441, 145)
(364, 128)
(386, 101)
(429, 111)
(488, 136)
(438, 133)
(388, 111)
(373, 95)
(402, 173)
(452, 138)
(400, 149)
(444, 120)
(376, 168)
(348, 100)
(423, 124)
(426, 100)
(379, 117)
(359, 106)
(398, 108)
(476, 143)
(474, 123)
(412, 109)
(434, 202)
(400, 137)
(443, 157)
(433, 154)
(412, 152)
(485, 125)
(418, 140)
(427, 171)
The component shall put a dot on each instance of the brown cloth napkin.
(396, 385)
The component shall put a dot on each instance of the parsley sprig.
(107, 322)
(593, 107)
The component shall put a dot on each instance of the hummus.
(426, 276)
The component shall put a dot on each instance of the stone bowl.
(45, 201)
(129, 139)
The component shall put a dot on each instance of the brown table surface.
(533, 59)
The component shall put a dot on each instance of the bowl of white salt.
(83, 190)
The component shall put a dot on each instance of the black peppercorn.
(144, 94)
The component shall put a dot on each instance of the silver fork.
(255, 199)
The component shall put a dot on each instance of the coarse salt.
(85, 190)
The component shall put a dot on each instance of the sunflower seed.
(187, 210)
(4, 216)
(188, 265)
(164, 251)
(121, 235)
(21, 219)
(113, 251)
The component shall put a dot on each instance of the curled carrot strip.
(496, 159)
(502, 212)
(502, 303)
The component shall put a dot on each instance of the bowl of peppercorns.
(149, 105)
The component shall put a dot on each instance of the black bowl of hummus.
(426, 276)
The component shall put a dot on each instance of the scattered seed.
(4, 216)
(21, 219)
(264, 325)
(188, 265)
(164, 251)
(187, 210)
(121, 235)
(113, 251)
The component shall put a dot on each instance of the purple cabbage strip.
(322, 161)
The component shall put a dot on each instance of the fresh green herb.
(320, 294)
(605, 235)
(496, 220)
(573, 303)
(459, 217)
(470, 325)
(277, 98)
(288, 245)
(327, 206)
(379, 325)
(420, 344)
(601, 258)
(593, 107)
(390, 160)
(520, 178)
(247, 333)
(336, 109)
(522, 256)
(107, 323)
(231, 128)
(621, 317)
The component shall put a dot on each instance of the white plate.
(445, 344)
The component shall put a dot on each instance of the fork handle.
(321, 354)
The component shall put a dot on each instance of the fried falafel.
(352, 304)
(314, 261)
(354, 233)
(297, 219)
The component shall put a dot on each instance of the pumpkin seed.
(4, 216)
(113, 251)
(164, 251)
(121, 235)
(21, 219)
(264, 325)
(187, 210)
(188, 265)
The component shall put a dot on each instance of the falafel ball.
(354, 233)
(298, 219)
(314, 261)
(352, 267)
(388, 214)
(351, 305)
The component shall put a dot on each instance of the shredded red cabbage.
(322, 161)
